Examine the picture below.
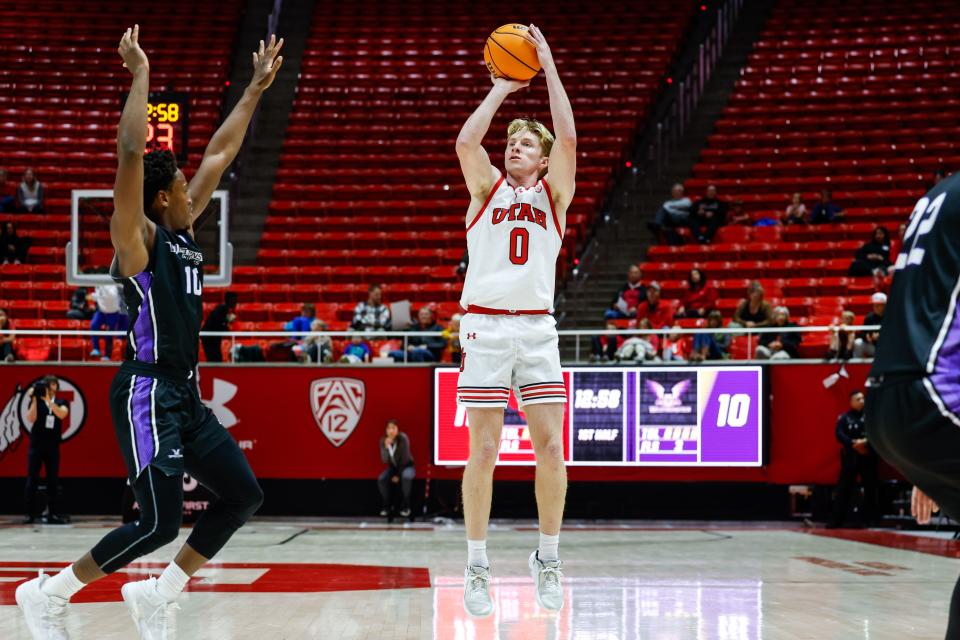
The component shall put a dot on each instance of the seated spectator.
(80, 305)
(782, 345)
(6, 192)
(301, 324)
(700, 298)
(677, 346)
(826, 210)
(219, 320)
(659, 312)
(356, 352)
(631, 294)
(711, 346)
(109, 316)
(709, 214)
(452, 335)
(605, 347)
(873, 257)
(754, 311)
(673, 213)
(640, 348)
(841, 338)
(738, 216)
(423, 348)
(7, 351)
(372, 315)
(796, 212)
(395, 453)
(29, 196)
(316, 348)
(865, 346)
(13, 247)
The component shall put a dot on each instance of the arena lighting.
(669, 80)
(629, 164)
(703, 7)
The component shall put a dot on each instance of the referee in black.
(45, 413)
(913, 402)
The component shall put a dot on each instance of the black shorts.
(158, 416)
(908, 429)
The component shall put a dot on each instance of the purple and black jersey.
(921, 327)
(165, 304)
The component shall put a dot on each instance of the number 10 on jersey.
(191, 277)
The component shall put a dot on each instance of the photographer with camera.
(45, 413)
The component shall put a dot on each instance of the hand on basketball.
(266, 64)
(507, 84)
(133, 56)
(543, 49)
(922, 507)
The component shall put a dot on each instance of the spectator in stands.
(464, 263)
(782, 345)
(219, 320)
(640, 348)
(856, 458)
(422, 348)
(754, 311)
(842, 339)
(7, 351)
(826, 210)
(873, 257)
(866, 343)
(6, 192)
(605, 347)
(29, 197)
(317, 348)
(737, 214)
(628, 297)
(107, 317)
(80, 305)
(674, 213)
(796, 212)
(659, 312)
(13, 247)
(700, 298)
(301, 324)
(395, 453)
(677, 346)
(356, 352)
(709, 214)
(711, 346)
(452, 335)
(372, 315)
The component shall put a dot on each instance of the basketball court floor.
(659, 581)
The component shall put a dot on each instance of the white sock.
(548, 547)
(63, 585)
(171, 582)
(477, 553)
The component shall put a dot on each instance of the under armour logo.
(175, 454)
(471, 336)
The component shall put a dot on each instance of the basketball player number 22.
(519, 244)
(192, 278)
(922, 219)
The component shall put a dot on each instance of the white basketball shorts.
(501, 352)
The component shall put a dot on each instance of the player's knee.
(165, 533)
(551, 450)
(485, 452)
(252, 500)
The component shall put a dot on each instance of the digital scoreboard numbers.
(167, 122)
(636, 416)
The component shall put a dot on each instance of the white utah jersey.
(513, 244)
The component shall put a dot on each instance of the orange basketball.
(509, 53)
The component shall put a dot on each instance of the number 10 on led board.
(734, 409)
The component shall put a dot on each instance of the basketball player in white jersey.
(515, 226)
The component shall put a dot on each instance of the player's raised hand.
(266, 63)
(129, 49)
(543, 49)
(507, 84)
(922, 506)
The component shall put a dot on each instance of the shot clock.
(167, 122)
(629, 416)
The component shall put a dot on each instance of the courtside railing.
(579, 341)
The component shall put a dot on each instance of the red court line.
(906, 542)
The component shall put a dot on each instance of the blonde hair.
(535, 127)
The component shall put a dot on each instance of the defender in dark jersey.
(162, 426)
(913, 403)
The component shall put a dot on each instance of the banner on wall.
(628, 416)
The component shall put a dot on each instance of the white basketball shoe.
(476, 591)
(153, 615)
(546, 577)
(46, 615)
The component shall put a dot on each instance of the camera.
(40, 389)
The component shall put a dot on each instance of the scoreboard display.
(628, 416)
(167, 121)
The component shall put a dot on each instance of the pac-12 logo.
(13, 418)
(337, 405)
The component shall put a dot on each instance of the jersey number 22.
(922, 219)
